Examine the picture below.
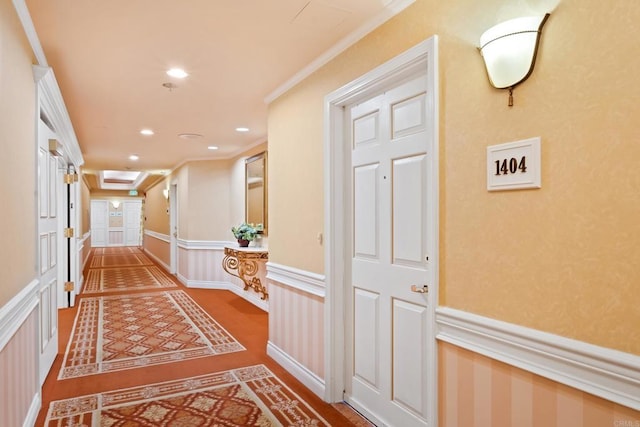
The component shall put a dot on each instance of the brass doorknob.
(424, 289)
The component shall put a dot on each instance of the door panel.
(99, 223)
(366, 348)
(409, 370)
(132, 211)
(409, 217)
(390, 171)
(366, 237)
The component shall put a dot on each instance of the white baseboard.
(610, 374)
(250, 296)
(299, 371)
(34, 408)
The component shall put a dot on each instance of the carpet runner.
(112, 333)
(117, 250)
(105, 280)
(251, 396)
(120, 260)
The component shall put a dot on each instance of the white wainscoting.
(606, 373)
(296, 323)
(200, 266)
(19, 358)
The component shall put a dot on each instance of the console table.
(244, 263)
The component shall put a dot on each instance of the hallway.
(135, 325)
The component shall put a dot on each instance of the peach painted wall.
(18, 145)
(210, 198)
(476, 391)
(562, 259)
(203, 200)
(155, 208)
(18, 373)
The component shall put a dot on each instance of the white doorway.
(50, 176)
(132, 222)
(116, 223)
(173, 228)
(382, 240)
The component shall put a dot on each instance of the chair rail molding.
(305, 281)
(164, 237)
(203, 244)
(610, 374)
(14, 313)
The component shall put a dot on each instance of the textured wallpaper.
(17, 142)
(563, 258)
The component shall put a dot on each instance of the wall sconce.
(509, 51)
(116, 204)
(165, 193)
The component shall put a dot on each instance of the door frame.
(420, 59)
(173, 228)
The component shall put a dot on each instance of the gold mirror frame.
(256, 201)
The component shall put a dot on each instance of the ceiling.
(110, 59)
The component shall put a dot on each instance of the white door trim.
(422, 57)
(173, 228)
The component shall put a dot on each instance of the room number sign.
(514, 165)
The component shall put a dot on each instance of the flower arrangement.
(247, 232)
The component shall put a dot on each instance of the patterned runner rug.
(251, 396)
(124, 260)
(112, 333)
(121, 279)
(117, 250)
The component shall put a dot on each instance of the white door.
(99, 223)
(49, 189)
(132, 215)
(392, 343)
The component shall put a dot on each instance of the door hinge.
(70, 178)
(69, 286)
(68, 233)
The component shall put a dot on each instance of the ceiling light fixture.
(133, 157)
(212, 147)
(146, 132)
(509, 51)
(178, 73)
(189, 135)
(242, 129)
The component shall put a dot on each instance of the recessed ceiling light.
(212, 147)
(242, 129)
(189, 135)
(133, 157)
(178, 73)
(146, 132)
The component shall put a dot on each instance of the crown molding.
(389, 11)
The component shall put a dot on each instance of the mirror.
(256, 190)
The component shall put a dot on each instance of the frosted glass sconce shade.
(509, 50)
